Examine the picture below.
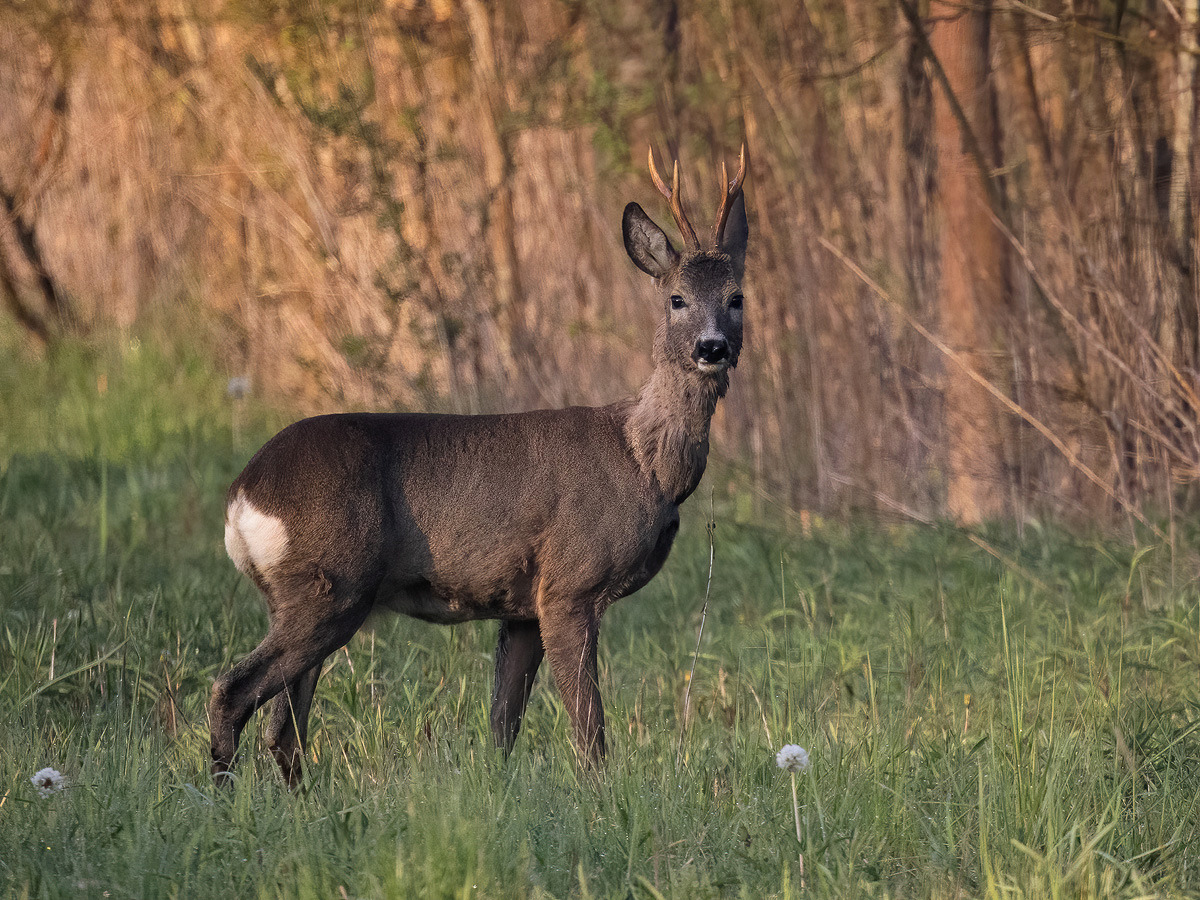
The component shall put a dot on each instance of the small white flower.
(48, 781)
(792, 757)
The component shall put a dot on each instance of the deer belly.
(446, 602)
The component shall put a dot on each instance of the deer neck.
(667, 428)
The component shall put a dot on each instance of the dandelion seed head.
(792, 757)
(48, 781)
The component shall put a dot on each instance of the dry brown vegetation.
(973, 276)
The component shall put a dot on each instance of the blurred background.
(972, 289)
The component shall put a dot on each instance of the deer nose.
(711, 350)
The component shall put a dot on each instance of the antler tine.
(673, 197)
(729, 193)
(657, 179)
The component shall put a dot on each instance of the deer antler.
(672, 195)
(729, 193)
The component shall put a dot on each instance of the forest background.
(973, 280)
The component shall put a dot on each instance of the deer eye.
(677, 302)
(735, 302)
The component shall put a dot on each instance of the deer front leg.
(518, 655)
(570, 639)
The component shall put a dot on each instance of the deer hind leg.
(287, 734)
(238, 693)
(518, 655)
(305, 629)
(570, 642)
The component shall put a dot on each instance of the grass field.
(1003, 716)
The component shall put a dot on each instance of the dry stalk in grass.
(687, 694)
(1008, 562)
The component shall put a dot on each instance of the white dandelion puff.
(48, 781)
(793, 758)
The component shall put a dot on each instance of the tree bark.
(49, 152)
(34, 325)
(498, 164)
(973, 290)
(57, 308)
(1181, 140)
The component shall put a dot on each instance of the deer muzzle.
(711, 353)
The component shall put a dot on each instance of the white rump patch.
(252, 538)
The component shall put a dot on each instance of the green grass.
(978, 727)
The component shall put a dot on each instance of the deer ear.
(737, 234)
(646, 243)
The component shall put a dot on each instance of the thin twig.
(1001, 397)
(687, 694)
(1009, 563)
(1090, 330)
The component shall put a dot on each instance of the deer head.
(700, 288)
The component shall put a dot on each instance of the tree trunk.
(974, 287)
(34, 325)
(498, 164)
(1181, 140)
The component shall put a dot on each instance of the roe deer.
(539, 519)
